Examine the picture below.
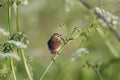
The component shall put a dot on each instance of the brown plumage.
(54, 43)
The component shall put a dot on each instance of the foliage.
(90, 35)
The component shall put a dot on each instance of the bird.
(54, 43)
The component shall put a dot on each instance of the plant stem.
(12, 68)
(88, 6)
(25, 63)
(51, 62)
(63, 70)
(9, 17)
(21, 51)
(46, 69)
(96, 70)
(98, 73)
(83, 40)
(108, 43)
(115, 33)
(9, 30)
(17, 17)
(100, 76)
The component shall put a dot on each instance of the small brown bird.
(54, 43)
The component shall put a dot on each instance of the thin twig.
(85, 4)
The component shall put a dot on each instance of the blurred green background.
(41, 18)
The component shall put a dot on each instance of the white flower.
(108, 16)
(78, 53)
(4, 32)
(98, 10)
(24, 2)
(7, 55)
(17, 43)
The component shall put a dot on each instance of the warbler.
(54, 43)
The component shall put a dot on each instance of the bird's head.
(56, 35)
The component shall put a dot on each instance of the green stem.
(21, 50)
(51, 62)
(63, 70)
(83, 40)
(9, 30)
(46, 69)
(12, 68)
(25, 64)
(108, 43)
(98, 73)
(9, 17)
(100, 76)
(17, 17)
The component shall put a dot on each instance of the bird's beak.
(60, 35)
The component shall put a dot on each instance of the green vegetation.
(90, 34)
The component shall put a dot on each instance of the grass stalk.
(25, 64)
(96, 70)
(21, 51)
(9, 17)
(63, 70)
(12, 68)
(100, 76)
(108, 43)
(17, 17)
(9, 30)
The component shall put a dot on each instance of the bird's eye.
(58, 35)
